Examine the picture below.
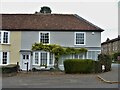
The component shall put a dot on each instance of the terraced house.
(20, 31)
(111, 46)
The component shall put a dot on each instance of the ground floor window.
(4, 58)
(36, 58)
(51, 58)
(72, 56)
(93, 55)
(43, 58)
(78, 56)
(64, 57)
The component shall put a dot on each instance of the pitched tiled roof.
(46, 22)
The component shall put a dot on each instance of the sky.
(103, 13)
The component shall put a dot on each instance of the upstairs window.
(79, 38)
(45, 37)
(4, 37)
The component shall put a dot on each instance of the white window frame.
(92, 51)
(8, 58)
(46, 58)
(83, 56)
(40, 37)
(2, 36)
(39, 62)
(34, 58)
(52, 60)
(38, 58)
(84, 38)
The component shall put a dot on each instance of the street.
(50, 80)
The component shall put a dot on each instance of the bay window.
(43, 58)
(36, 58)
(51, 58)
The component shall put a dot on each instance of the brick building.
(111, 46)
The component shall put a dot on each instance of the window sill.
(4, 64)
(36, 64)
(46, 43)
(51, 65)
(5, 44)
(79, 44)
(61, 65)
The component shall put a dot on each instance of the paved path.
(58, 80)
(113, 74)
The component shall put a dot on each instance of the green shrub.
(106, 61)
(97, 67)
(115, 56)
(10, 68)
(81, 66)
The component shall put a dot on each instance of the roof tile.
(46, 22)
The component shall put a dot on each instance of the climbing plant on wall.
(57, 50)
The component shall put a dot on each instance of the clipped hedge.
(97, 67)
(81, 66)
(10, 68)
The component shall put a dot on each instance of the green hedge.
(81, 66)
(9, 68)
(106, 61)
(97, 67)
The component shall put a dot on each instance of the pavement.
(111, 76)
(61, 80)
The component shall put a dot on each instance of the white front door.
(25, 61)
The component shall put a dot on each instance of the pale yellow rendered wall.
(15, 41)
(0, 47)
(5, 47)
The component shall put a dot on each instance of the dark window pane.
(27, 56)
(44, 38)
(23, 56)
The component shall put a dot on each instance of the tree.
(45, 9)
